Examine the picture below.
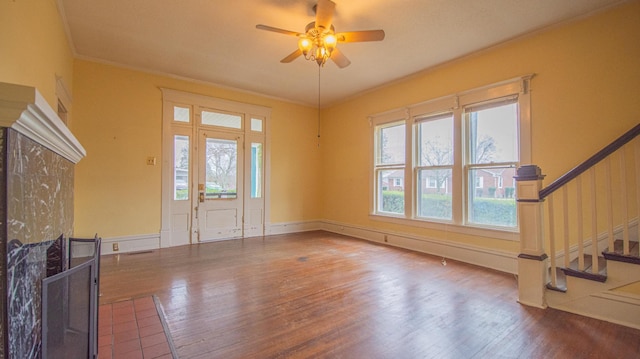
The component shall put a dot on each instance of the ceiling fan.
(319, 40)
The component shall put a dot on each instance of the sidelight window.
(181, 167)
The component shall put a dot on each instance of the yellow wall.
(118, 119)
(34, 47)
(585, 94)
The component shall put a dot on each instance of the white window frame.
(455, 104)
(394, 119)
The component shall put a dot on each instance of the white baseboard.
(134, 243)
(495, 259)
(292, 227)
(499, 260)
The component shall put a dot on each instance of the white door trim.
(170, 127)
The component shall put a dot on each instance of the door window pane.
(221, 119)
(221, 168)
(434, 193)
(391, 145)
(488, 203)
(181, 168)
(181, 114)
(391, 191)
(256, 170)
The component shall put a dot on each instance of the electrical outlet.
(151, 161)
(115, 247)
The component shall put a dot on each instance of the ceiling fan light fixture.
(330, 41)
(322, 54)
(305, 45)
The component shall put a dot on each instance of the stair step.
(588, 265)
(599, 275)
(617, 253)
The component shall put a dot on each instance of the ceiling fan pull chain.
(319, 69)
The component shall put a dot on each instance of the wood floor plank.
(322, 295)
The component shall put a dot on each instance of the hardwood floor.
(324, 295)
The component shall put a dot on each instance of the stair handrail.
(590, 162)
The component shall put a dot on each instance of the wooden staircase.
(582, 235)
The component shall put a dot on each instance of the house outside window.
(431, 182)
(479, 182)
(457, 155)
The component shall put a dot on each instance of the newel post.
(532, 261)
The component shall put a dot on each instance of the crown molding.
(23, 109)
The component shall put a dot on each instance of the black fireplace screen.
(70, 304)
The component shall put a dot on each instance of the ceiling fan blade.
(292, 56)
(338, 57)
(358, 36)
(324, 13)
(275, 29)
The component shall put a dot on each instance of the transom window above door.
(221, 119)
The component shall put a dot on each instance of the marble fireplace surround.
(37, 158)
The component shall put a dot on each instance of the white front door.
(219, 207)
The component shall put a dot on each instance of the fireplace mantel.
(23, 109)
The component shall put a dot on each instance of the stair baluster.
(594, 223)
(552, 243)
(625, 209)
(609, 201)
(580, 214)
(565, 226)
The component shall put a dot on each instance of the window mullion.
(459, 193)
(409, 205)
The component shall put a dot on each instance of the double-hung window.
(390, 167)
(449, 162)
(434, 166)
(492, 156)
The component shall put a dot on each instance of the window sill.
(489, 232)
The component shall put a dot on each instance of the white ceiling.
(216, 40)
